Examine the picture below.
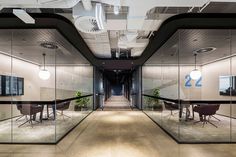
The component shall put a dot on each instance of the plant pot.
(157, 108)
(80, 108)
(84, 108)
(77, 108)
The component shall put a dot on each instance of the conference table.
(186, 104)
(190, 103)
(49, 104)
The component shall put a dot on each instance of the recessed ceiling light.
(204, 50)
(49, 45)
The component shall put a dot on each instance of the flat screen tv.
(227, 85)
(11, 85)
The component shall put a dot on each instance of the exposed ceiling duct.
(89, 21)
(87, 4)
(97, 20)
(139, 8)
(129, 40)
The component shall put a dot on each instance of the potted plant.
(154, 103)
(80, 103)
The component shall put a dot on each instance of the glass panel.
(72, 80)
(28, 60)
(160, 78)
(204, 108)
(233, 85)
(200, 120)
(5, 75)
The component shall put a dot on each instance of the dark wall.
(98, 88)
(136, 88)
(107, 88)
(116, 89)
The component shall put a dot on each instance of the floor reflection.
(46, 132)
(139, 138)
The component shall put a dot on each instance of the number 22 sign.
(188, 79)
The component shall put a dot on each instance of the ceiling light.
(195, 73)
(49, 45)
(24, 16)
(204, 50)
(44, 74)
(116, 10)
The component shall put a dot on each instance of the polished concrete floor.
(188, 131)
(10, 130)
(118, 134)
(117, 103)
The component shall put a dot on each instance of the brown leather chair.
(60, 107)
(30, 110)
(206, 111)
(19, 107)
(171, 106)
(63, 106)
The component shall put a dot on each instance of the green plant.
(154, 102)
(81, 102)
(156, 93)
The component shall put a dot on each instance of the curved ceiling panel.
(167, 29)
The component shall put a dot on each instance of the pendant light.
(195, 73)
(44, 74)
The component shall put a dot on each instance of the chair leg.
(205, 121)
(197, 122)
(216, 118)
(212, 124)
(24, 123)
(66, 116)
(29, 120)
(19, 117)
(62, 114)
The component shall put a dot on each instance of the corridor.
(114, 134)
(117, 102)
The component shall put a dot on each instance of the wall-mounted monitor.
(11, 85)
(227, 85)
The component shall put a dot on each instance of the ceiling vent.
(87, 24)
(92, 21)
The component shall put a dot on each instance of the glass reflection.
(199, 110)
(35, 109)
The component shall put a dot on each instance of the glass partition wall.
(189, 86)
(43, 79)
